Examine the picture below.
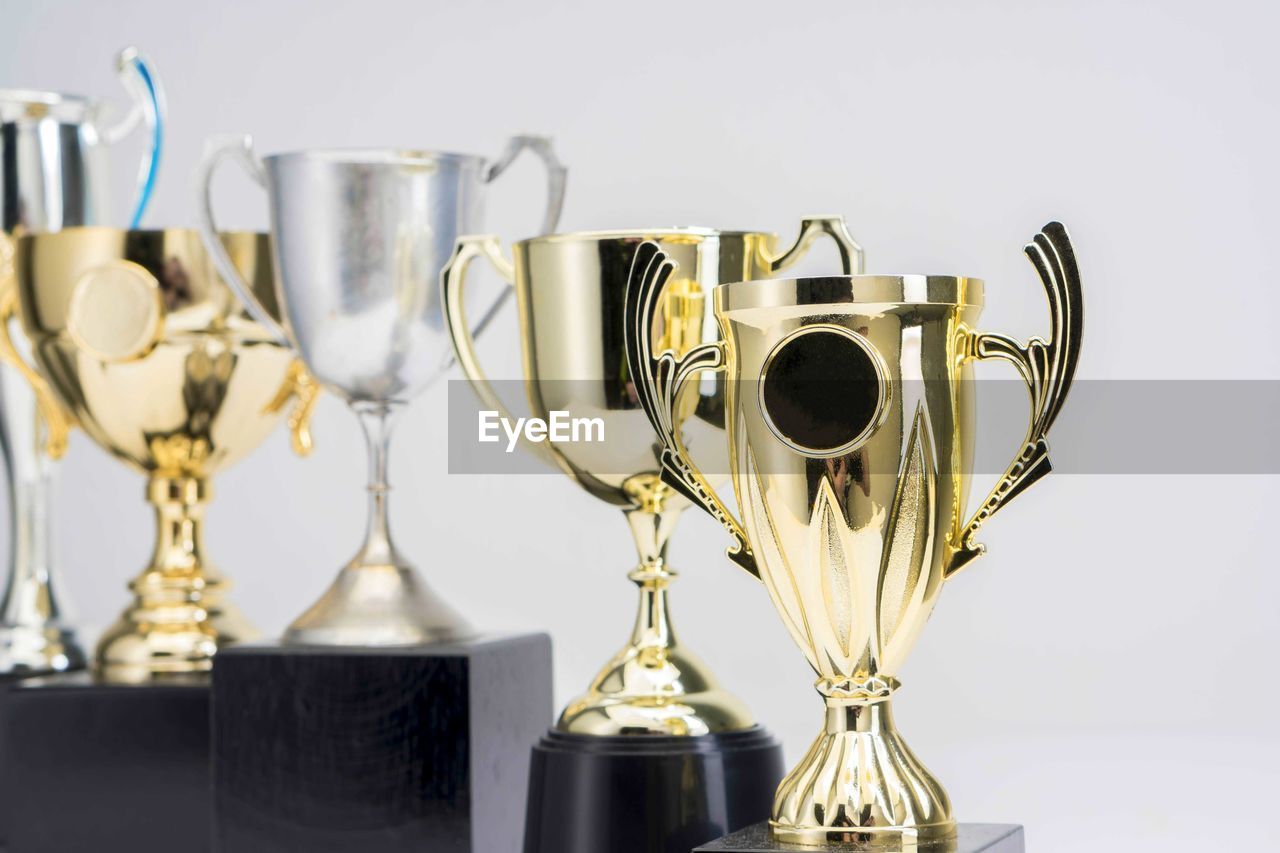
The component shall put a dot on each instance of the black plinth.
(647, 793)
(422, 748)
(970, 838)
(103, 767)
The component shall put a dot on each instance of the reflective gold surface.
(54, 422)
(152, 356)
(852, 494)
(571, 291)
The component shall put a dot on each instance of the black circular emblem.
(823, 390)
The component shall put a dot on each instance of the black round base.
(647, 793)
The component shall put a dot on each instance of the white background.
(1106, 674)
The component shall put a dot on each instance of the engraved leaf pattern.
(908, 545)
(827, 548)
(779, 578)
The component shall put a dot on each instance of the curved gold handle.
(453, 279)
(811, 228)
(300, 384)
(659, 379)
(1046, 366)
(56, 421)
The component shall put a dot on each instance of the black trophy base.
(970, 838)
(376, 750)
(647, 793)
(112, 768)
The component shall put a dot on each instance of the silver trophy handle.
(557, 176)
(239, 149)
(139, 77)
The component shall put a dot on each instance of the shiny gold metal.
(56, 424)
(851, 496)
(571, 289)
(299, 384)
(135, 335)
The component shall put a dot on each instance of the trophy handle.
(1046, 366)
(302, 385)
(557, 175)
(139, 77)
(452, 281)
(659, 379)
(812, 227)
(239, 149)
(57, 423)
(298, 382)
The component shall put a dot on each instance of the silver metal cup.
(53, 175)
(359, 238)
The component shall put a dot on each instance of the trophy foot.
(860, 786)
(29, 650)
(653, 686)
(655, 691)
(378, 605)
(150, 642)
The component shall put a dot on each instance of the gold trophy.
(570, 291)
(138, 341)
(850, 414)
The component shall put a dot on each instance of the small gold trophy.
(654, 700)
(137, 340)
(570, 289)
(849, 411)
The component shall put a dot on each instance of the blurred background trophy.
(850, 411)
(136, 339)
(53, 174)
(359, 238)
(655, 755)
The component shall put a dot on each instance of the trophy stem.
(33, 637)
(860, 784)
(377, 421)
(653, 685)
(378, 598)
(652, 532)
(178, 618)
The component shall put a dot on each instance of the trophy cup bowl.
(359, 239)
(571, 290)
(147, 350)
(54, 177)
(849, 411)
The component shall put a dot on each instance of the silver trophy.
(359, 239)
(53, 175)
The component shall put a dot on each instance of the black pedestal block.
(970, 838)
(423, 748)
(109, 768)
(647, 793)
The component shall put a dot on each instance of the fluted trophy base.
(969, 838)
(378, 605)
(28, 650)
(860, 785)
